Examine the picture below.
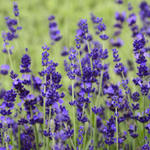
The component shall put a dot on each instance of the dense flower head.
(139, 43)
(109, 131)
(10, 96)
(120, 69)
(143, 71)
(25, 64)
(115, 55)
(135, 96)
(83, 27)
(132, 19)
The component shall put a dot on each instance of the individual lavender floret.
(104, 37)
(15, 9)
(132, 24)
(4, 69)
(132, 130)
(83, 28)
(25, 64)
(143, 71)
(54, 32)
(13, 75)
(115, 55)
(135, 96)
(120, 17)
(139, 42)
(120, 69)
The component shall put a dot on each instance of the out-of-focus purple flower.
(15, 9)
(54, 32)
(104, 37)
(130, 6)
(116, 43)
(120, 16)
(4, 69)
(119, 1)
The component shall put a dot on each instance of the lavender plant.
(97, 111)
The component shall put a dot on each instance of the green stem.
(19, 142)
(44, 105)
(116, 113)
(90, 57)
(144, 115)
(36, 137)
(10, 60)
(49, 117)
(7, 148)
(94, 134)
(74, 113)
(84, 141)
(80, 63)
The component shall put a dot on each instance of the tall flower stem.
(44, 110)
(144, 116)
(10, 60)
(19, 142)
(74, 114)
(116, 113)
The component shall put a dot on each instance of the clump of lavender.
(97, 111)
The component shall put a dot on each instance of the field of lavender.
(75, 75)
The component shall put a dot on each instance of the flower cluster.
(98, 111)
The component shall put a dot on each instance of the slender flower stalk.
(74, 113)
(117, 143)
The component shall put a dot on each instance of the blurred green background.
(34, 20)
